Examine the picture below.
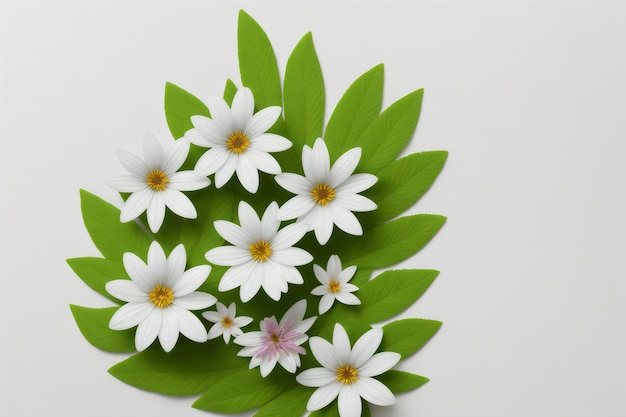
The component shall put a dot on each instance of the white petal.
(357, 183)
(130, 315)
(289, 236)
(341, 344)
(220, 113)
(195, 301)
(349, 402)
(294, 315)
(242, 108)
(263, 161)
(226, 171)
(250, 339)
(168, 335)
(232, 233)
(156, 212)
(346, 275)
(288, 362)
(365, 347)
(179, 203)
(157, 264)
(247, 173)
(127, 183)
(322, 222)
(333, 267)
(323, 396)
(138, 272)
(191, 280)
(262, 121)
(175, 265)
(136, 204)
(267, 365)
(249, 221)
(304, 327)
(215, 331)
(326, 302)
(176, 155)
(226, 335)
(188, 181)
(325, 353)
(292, 256)
(269, 222)
(213, 316)
(228, 255)
(294, 183)
(353, 202)
(316, 377)
(196, 136)
(126, 290)
(148, 329)
(269, 142)
(320, 289)
(374, 392)
(347, 298)
(346, 221)
(242, 321)
(346, 287)
(190, 325)
(212, 161)
(291, 274)
(152, 152)
(133, 164)
(250, 287)
(211, 131)
(296, 207)
(379, 363)
(316, 162)
(344, 166)
(272, 283)
(236, 275)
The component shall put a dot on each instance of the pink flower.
(278, 342)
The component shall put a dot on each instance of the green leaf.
(304, 95)
(111, 237)
(291, 403)
(229, 91)
(389, 133)
(408, 336)
(390, 293)
(399, 381)
(180, 105)
(94, 325)
(403, 182)
(392, 242)
(333, 411)
(358, 107)
(257, 63)
(190, 368)
(96, 272)
(244, 390)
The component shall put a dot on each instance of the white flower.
(327, 195)
(348, 373)
(154, 182)
(238, 140)
(278, 342)
(226, 322)
(262, 255)
(159, 296)
(335, 284)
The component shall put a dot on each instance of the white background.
(528, 98)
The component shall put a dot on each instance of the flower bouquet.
(245, 261)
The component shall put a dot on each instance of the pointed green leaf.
(180, 105)
(392, 242)
(190, 368)
(403, 182)
(257, 63)
(304, 95)
(229, 91)
(399, 381)
(96, 272)
(358, 107)
(408, 336)
(291, 403)
(244, 390)
(389, 133)
(94, 325)
(111, 237)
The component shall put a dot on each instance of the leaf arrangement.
(213, 370)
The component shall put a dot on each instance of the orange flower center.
(347, 374)
(334, 286)
(157, 180)
(161, 296)
(238, 142)
(261, 251)
(323, 194)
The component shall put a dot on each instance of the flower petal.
(316, 164)
(374, 391)
(237, 275)
(148, 329)
(323, 396)
(292, 256)
(156, 212)
(326, 302)
(333, 267)
(157, 263)
(226, 171)
(365, 347)
(354, 202)
(138, 272)
(175, 265)
(263, 161)
(268, 365)
(133, 164)
(127, 183)
(176, 155)
(249, 221)
(196, 136)
(287, 361)
(228, 256)
(215, 331)
(247, 173)
(136, 204)
(191, 280)
(349, 402)
(296, 207)
(326, 354)
(294, 315)
(347, 298)
(270, 142)
(347, 274)
(130, 315)
(168, 335)
(152, 152)
(188, 181)
(379, 363)
(344, 166)
(221, 114)
(357, 183)
(212, 161)
(233, 234)
(346, 221)
(213, 316)
(195, 301)
(316, 377)
(294, 183)
(250, 287)
(269, 222)
(126, 290)
(242, 108)
(211, 132)
(262, 121)
(320, 289)
(322, 222)
(341, 344)
(179, 203)
(190, 325)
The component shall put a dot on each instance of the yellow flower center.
(238, 142)
(347, 374)
(274, 338)
(334, 286)
(323, 194)
(261, 251)
(161, 296)
(227, 322)
(157, 180)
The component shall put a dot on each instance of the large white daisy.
(278, 342)
(347, 373)
(335, 285)
(159, 296)
(325, 195)
(154, 182)
(238, 140)
(261, 255)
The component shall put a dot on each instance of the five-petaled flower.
(335, 285)
(154, 182)
(347, 373)
(325, 195)
(238, 140)
(226, 322)
(277, 342)
(261, 255)
(159, 296)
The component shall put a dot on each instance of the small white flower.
(262, 255)
(335, 284)
(348, 373)
(278, 342)
(154, 182)
(226, 322)
(159, 296)
(327, 195)
(238, 140)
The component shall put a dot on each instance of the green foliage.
(229, 91)
(180, 105)
(399, 381)
(94, 325)
(407, 336)
(290, 403)
(96, 272)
